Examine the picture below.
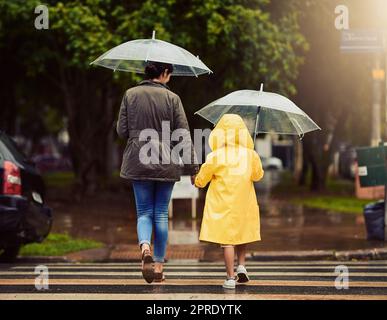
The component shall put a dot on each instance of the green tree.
(334, 88)
(245, 42)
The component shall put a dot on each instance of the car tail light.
(12, 179)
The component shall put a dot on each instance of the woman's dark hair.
(155, 69)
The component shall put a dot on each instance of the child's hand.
(193, 179)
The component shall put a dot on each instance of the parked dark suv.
(24, 218)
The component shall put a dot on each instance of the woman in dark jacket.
(148, 116)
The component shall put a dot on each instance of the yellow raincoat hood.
(231, 212)
(230, 130)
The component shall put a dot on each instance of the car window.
(9, 150)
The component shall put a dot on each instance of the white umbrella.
(262, 112)
(132, 56)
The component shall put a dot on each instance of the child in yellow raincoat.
(231, 212)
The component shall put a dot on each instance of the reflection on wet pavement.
(284, 226)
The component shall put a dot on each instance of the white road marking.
(195, 273)
(183, 296)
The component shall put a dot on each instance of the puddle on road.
(284, 226)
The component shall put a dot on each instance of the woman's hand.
(193, 179)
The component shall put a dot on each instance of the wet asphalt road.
(284, 226)
(111, 219)
(195, 280)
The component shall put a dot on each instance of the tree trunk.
(319, 176)
(320, 160)
(90, 118)
(304, 172)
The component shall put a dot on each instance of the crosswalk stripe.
(269, 280)
(167, 267)
(194, 289)
(196, 273)
(183, 296)
(206, 278)
(193, 263)
(188, 282)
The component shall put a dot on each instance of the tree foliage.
(334, 88)
(245, 42)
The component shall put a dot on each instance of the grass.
(57, 244)
(61, 179)
(338, 196)
(334, 203)
(66, 179)
(340, 186)
(334, 186)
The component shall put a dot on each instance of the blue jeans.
(152, 200)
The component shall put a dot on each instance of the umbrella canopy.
(262, 112)
(132, 56)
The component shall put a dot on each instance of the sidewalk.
(203, 253)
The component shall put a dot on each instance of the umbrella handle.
(302, 133)
(256, 126)
(256, 123)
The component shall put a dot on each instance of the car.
(51, 163)
(24, 216)
(271, 163)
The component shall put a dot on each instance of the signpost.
(371, 42)
(362, 41)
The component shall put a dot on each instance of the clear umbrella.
(132, 56)
(262, 112)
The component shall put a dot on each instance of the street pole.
(385, 89)
(377, 76)
(385, 83)
(385, 133)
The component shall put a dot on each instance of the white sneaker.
(242, 274)
(229, 284)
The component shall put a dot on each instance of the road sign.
(362, 41)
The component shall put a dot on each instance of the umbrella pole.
(256, 126)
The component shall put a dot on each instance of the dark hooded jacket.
(151, 105)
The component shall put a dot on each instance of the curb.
(43, 259)
(103, 255)
(90, 255)
(368, 254)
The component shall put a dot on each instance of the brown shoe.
(147, 266)
(159, 277)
